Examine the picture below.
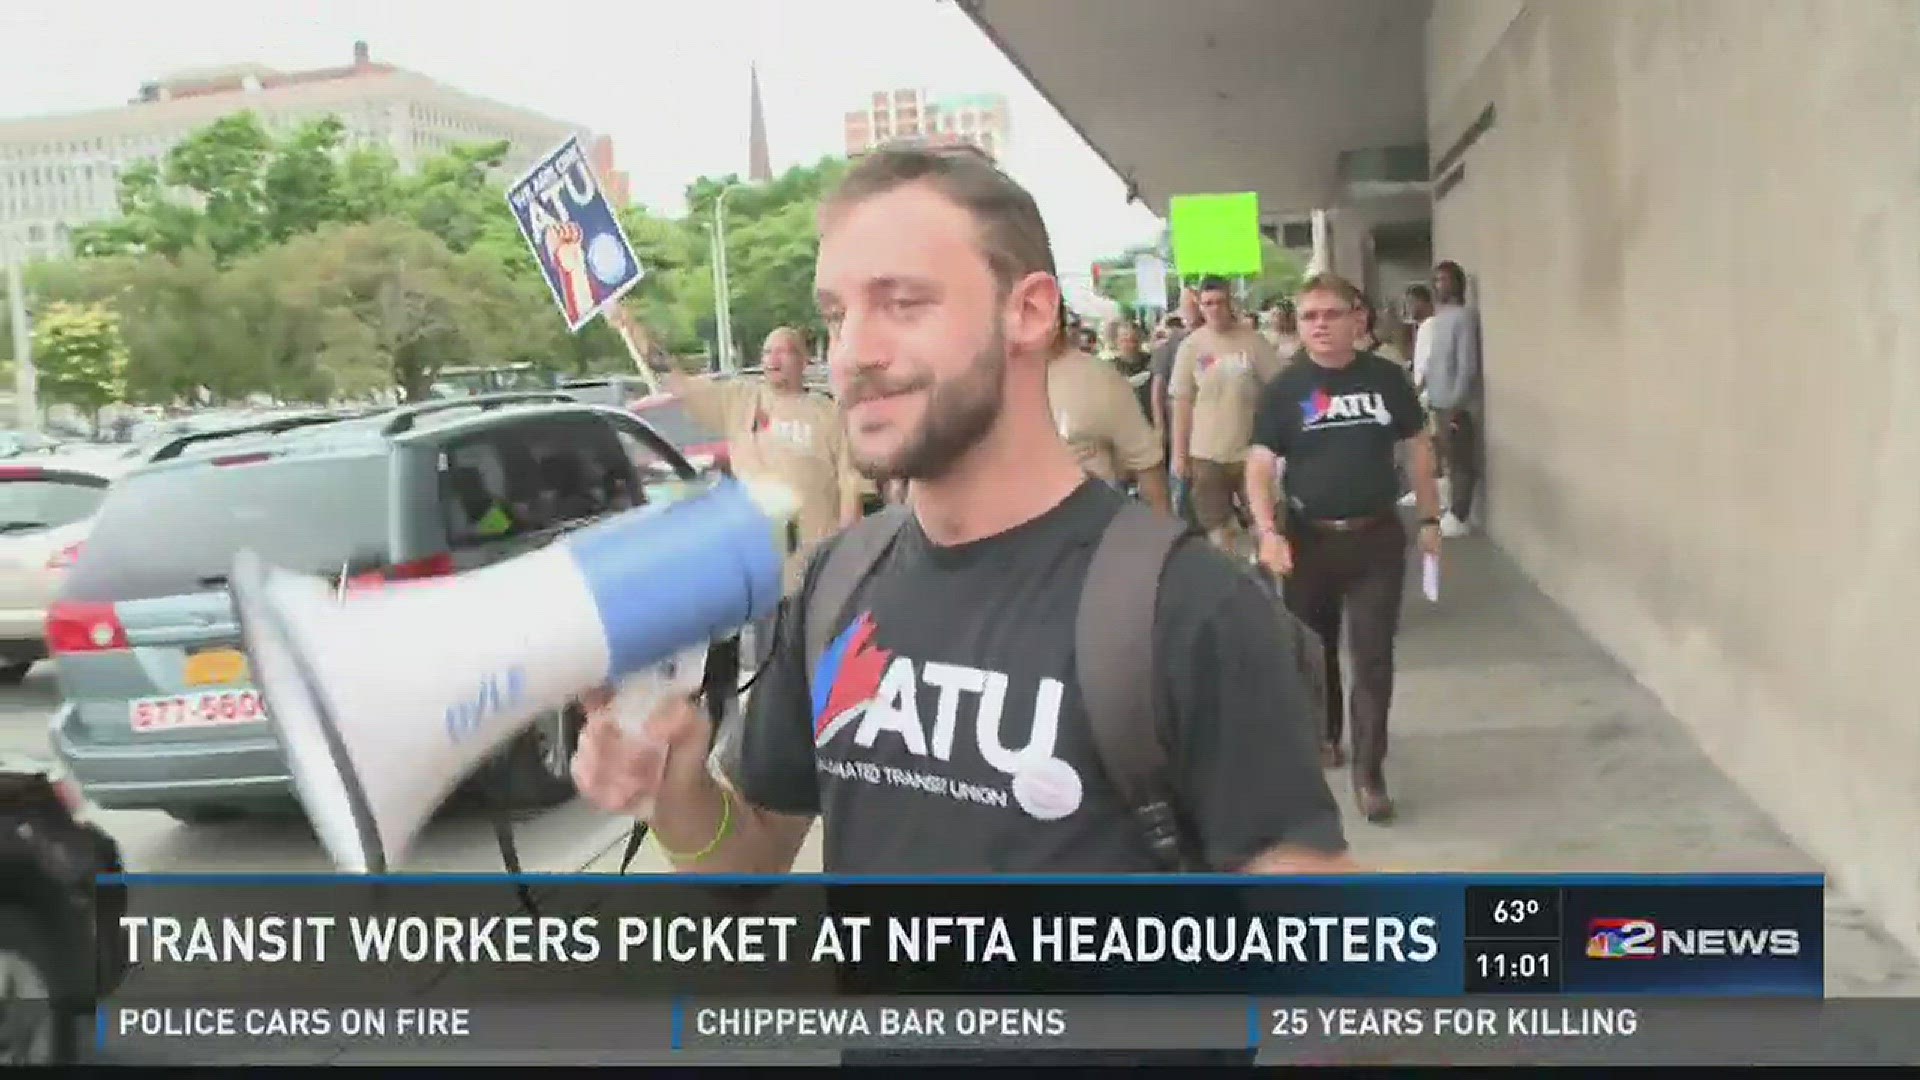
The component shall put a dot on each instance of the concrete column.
(1348, 245)
(1322, 254)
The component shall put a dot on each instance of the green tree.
(1281, 272)
(188, 329)
(224, 166)
(302, 187)
(387, 304)
(772, 244)
(150, 219)
(309, 269)
(455, 197)
(79, 356)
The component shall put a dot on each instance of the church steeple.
(759, 164)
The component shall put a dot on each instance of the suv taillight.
(84, 627)
(433, 566)
(64, 558)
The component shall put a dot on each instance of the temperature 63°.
(1527, 911)
(1515, 911)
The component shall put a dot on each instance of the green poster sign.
(1215, 234)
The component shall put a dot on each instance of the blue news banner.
(613, 967)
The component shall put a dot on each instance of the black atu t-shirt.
(1336, 428)
(944, 733)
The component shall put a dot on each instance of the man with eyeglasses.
(1334, 423)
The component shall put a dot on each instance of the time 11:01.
(1502, 966)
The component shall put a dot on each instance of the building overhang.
(1313, 104)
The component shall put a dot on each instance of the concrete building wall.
(1695, 228)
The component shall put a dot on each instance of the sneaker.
(1409, 500)
(1452, 527)
(1446, 491)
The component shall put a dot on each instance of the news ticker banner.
(191, 939)
(1467, 1030)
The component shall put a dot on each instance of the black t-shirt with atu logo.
(943, 732)
(1336, 428)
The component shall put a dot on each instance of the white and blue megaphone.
(385, 702)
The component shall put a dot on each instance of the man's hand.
(1276, 554)
(622, 320)
(1430, 539)
(639, 342)
(619, 772)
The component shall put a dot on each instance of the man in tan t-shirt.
(777, 429)
(1217, 377)
(1099, 415)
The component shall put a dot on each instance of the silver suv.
(160, 711)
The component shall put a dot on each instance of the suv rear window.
(176, 531)
(30, 500)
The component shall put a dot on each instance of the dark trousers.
(1457, 438)
(1357, 578)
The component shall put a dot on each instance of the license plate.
(216, 667)
(215, 708)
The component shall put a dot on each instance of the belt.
(1347, 525)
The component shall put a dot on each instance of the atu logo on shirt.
(1230, 364)
(862, 686)
(1320, 409)
(797, 432)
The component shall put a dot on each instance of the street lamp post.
(23, 373)
(722, 292)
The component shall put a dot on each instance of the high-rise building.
(979, 119)
(60, 172)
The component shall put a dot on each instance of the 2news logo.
(1644, 939)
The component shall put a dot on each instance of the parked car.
(668, 415)
(614, 391)
(17, 443)
(160, 711)
(54, 964)
(46, 510)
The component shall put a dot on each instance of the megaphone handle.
(634, 839)
(509, 851)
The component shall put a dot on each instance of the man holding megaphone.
(964, 684)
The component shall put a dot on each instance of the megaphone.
(384, 702)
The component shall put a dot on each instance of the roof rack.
(404, 416)
(267, 427)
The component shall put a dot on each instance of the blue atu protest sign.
(574, 233)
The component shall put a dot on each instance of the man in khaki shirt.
(1099, 416)
(777, 429)
(1217, 377)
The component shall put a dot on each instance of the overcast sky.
(667, 80)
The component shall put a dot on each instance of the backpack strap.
(854, 555)
(850, 558)
(1114, 666)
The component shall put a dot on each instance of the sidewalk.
(1519, 746)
